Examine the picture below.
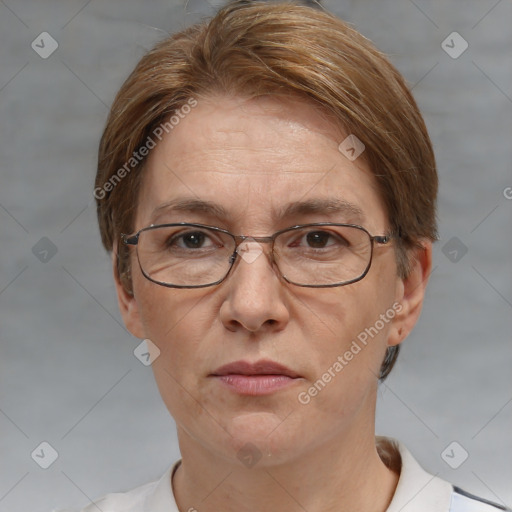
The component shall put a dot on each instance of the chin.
(264, 436)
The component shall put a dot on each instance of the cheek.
(165, 312)
(170, 322)
(175, 329)
(348, 331)
(334, 317)
(347, 365)
(177, 322)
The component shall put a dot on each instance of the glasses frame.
(133, 240)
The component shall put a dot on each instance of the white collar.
(162, 498)
(417, 490)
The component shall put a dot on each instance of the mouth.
(260, 378)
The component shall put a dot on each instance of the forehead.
(255, 160)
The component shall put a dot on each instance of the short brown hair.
(255, 49)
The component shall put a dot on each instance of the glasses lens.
(185, 255)
(323, 255)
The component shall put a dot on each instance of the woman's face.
(254, 158)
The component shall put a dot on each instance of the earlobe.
(411, 292)
(128, 305)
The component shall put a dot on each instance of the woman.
(267, 188)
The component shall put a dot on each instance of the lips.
(254, 379)
(263, 367)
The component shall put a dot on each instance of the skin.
(252, 157)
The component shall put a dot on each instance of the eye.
(321, 239)
(318, 238)
(191, 240)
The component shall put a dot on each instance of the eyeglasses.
(319, 255)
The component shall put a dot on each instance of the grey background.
(68, 373)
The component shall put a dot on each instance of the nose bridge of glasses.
(263, 239)
(249, 248)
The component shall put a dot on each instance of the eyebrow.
(322, 206)
(326, 206)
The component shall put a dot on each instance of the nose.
(255, 297)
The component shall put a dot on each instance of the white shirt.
(417, 491)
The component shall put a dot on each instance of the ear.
(128, 304)
(411, 292)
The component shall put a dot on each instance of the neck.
(345, 474)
